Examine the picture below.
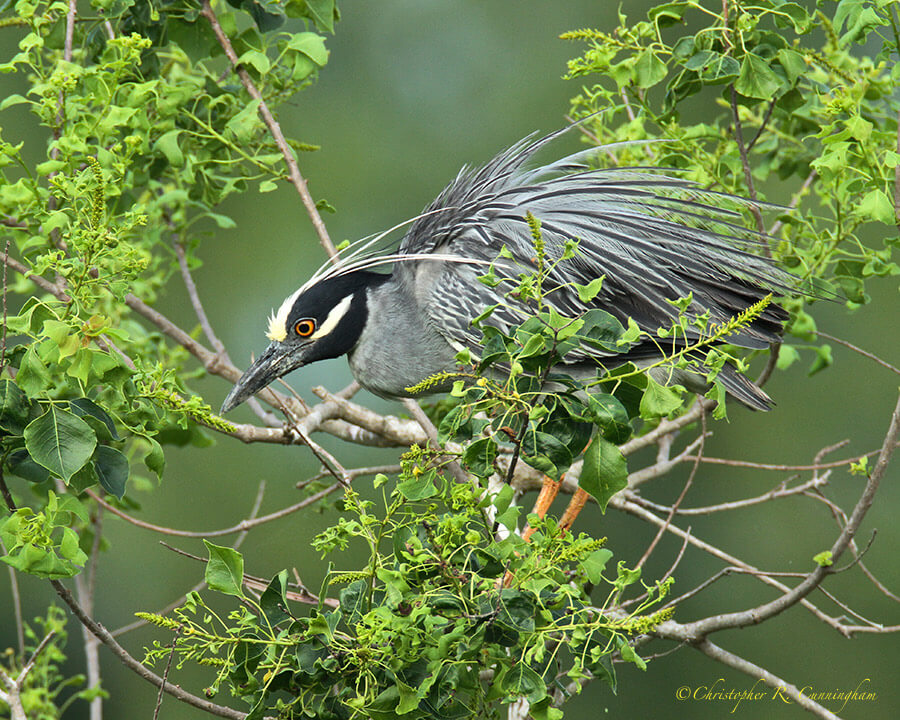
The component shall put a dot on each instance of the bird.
(401, 314)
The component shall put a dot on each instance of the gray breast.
(398, 347)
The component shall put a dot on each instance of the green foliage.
(816, 112)
(144, 141)
(47, 692)
(445, 621)
(42, 543)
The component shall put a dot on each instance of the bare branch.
(860, 351)
(667, 427)
(621, 503)
(779, 492)
(782, 468)
(745, 666)
(403, 432)
(674, 508)
(197, 305)
(242, 526)
(699, 630)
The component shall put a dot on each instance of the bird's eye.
(305, 328)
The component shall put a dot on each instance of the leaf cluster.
(47, 692)
(144, 140)
(444, 622)
(806, 104)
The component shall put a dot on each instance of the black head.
(317, 322)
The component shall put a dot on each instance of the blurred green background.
(413, 90)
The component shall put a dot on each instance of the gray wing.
(653, 237)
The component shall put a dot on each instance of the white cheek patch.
(334, 317)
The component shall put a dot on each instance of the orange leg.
(549, 491)
(575, 505)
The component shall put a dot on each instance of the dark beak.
(278, 359)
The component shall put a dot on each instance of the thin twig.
(762, 125)
(20, 680)
(779, 492)
(165, 677)
(745, 163)
(104, 636)
(17, 605)
(795, 200)
(296, 178)
(862, 352)
(196, 304)
(3, 330)
(242, 526)
(430, 430)
(674, 508)
(782, 468)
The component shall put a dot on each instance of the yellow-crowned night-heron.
(654, 238)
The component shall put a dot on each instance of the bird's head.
(321, 320)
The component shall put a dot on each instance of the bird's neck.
(397, 347)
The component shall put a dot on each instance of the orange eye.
(305, 328)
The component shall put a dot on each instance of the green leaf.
(167, 144)
(311, 45)
(605, 471)
(60, 441)
(21, 464)
(858, 19)
(33, 376)
(648, 70)
(522, 681)
(787, 356)
(274, 600)
(823, 360)
(713, 68)
(757, 80)
(658, 400)
(594, 564)
(793, 63)
(225, 570)
(417, 488)
(258, 60)
(588, 292)
(546, 453)
(626, 576)
(479, 456)
(823, 559)
(14, 406)
(85, 407)
(112, 470)
(322, 13)
(876, 205)
(245, 124)
(155, 459)
(13, 99)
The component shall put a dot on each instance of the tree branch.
(296, 178)
(104, 636)
(745, 666)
